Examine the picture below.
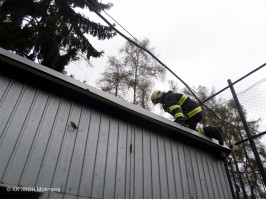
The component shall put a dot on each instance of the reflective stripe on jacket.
(175, 103)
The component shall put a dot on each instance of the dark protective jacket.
(188, 113)
(179, 105)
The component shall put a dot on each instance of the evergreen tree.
(50, 31)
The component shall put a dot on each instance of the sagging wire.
(122, 27)
(97, 11)
(159, 61)
(139, 46)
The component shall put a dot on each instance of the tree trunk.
(135, 85)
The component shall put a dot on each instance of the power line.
(158, 60)
(192, 92)
(122, 27)
(144, 49)
(114, 20)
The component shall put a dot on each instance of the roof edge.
(66, 81)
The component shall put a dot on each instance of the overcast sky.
(205, 42)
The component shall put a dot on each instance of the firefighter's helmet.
(155, 96)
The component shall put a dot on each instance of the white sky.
(205, 42)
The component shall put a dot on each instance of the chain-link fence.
(245, 178)
(253, 99)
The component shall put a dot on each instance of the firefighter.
(185, 112)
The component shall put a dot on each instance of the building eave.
(70, 83)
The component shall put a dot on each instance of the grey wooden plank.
(223, 178)
(212, 176)
(226, 180)
(216, 187)
(55, 195)
(90, 155)
(138, 167)
(36, 156)
(74, 175)
(217, 178)
(110, 177)
(220, 179)
(147, 168)
(196, 173)
(52, 151)
(170, 169)
(44, 195)
(100, 163)
(67, 148)
(131, 127)
(156, 187)
(128, 160)
(120, 189)
(183, 170)
(5, 84)
(202, 176)
(8, 106)
(177, 170)
(190, 174)
(70, 196)
(82, 197)
(163, 168)
(14, 130)
(21, 152)
(209, 186)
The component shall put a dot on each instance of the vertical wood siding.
(105, 157)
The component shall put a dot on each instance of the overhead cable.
(158, 60)
(122, 27)
(139, 46)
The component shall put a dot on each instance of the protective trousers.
(209, 131)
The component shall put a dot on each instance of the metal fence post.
(253, 146)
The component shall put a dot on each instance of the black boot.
(181, 121)
(216, 133)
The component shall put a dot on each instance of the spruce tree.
(50, 32)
